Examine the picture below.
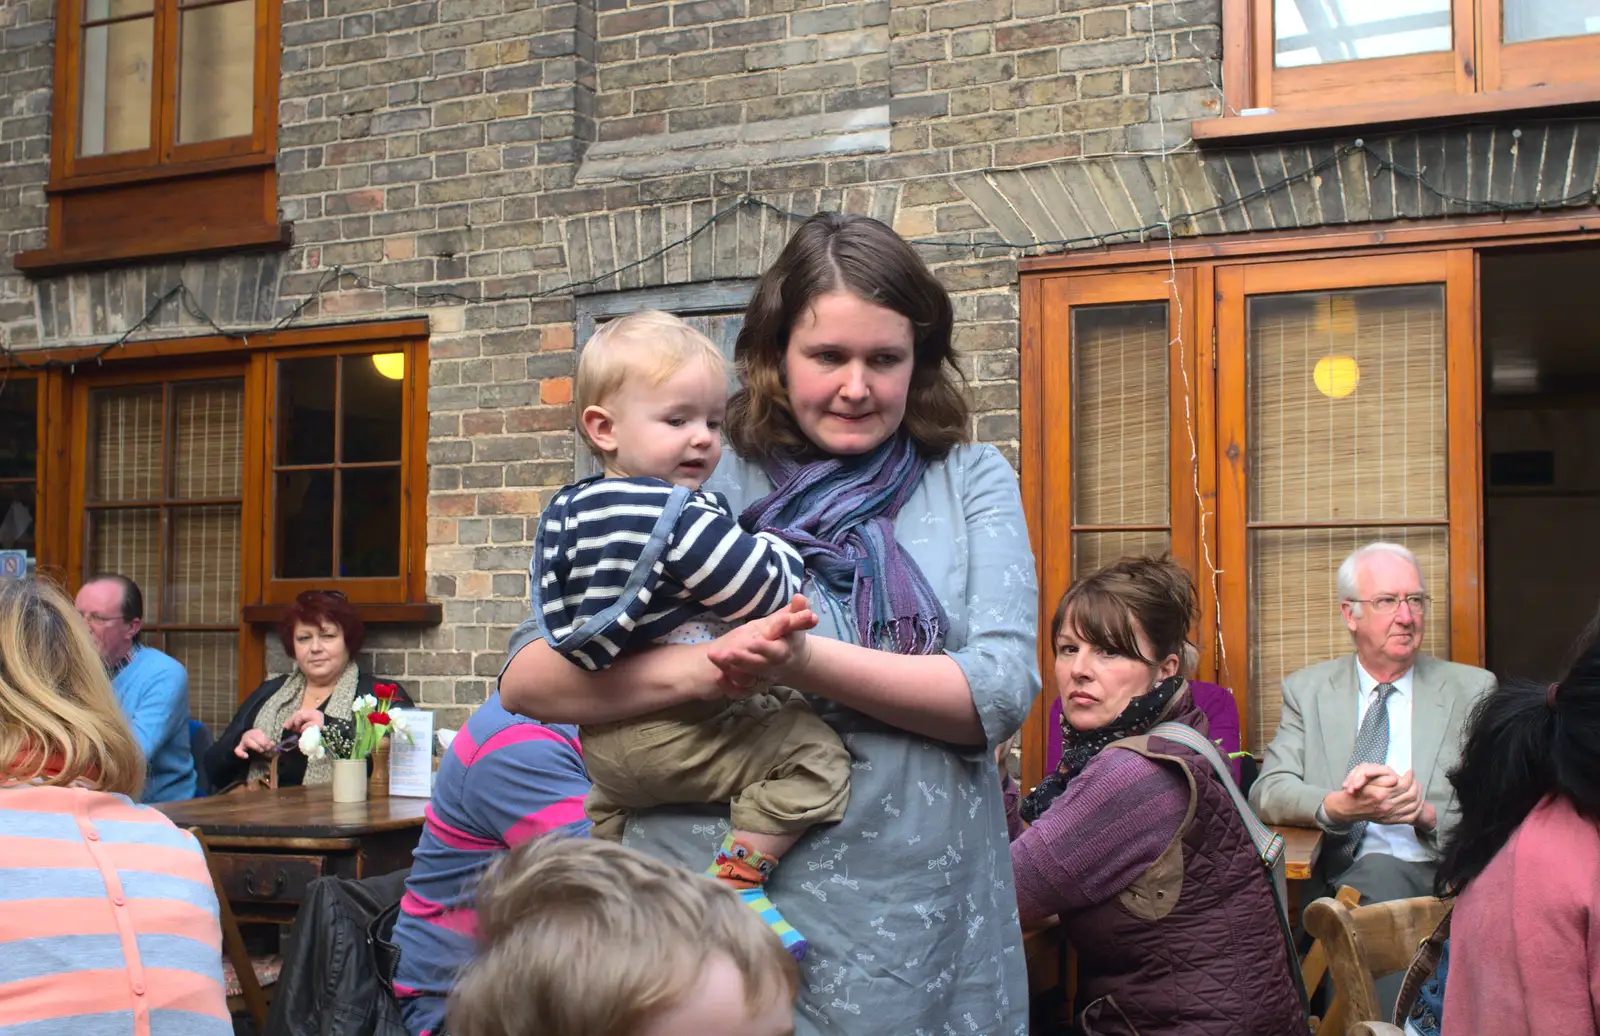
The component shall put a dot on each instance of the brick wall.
(484, 148)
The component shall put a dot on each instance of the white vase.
(349, 780)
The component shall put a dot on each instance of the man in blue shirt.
(152, 687)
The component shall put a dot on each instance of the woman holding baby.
(849, 438)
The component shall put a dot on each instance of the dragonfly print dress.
(908, 902)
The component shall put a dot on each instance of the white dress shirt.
(1397, 840)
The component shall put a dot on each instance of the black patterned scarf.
(1078, 747)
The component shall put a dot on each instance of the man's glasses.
(1386, 604)
(94, 619)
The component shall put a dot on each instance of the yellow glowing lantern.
(393, 365)
(1336, 376)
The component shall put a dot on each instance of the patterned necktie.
(1372, 746)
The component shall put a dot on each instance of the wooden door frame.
(1046, 462)
(1461, 241)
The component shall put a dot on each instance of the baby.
(584, 938)
(641, 555)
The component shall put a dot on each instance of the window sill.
(49, 262)
(1260, 129)
(420, 613)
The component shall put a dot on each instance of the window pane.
(1119, 415)
(1347, 406)
(19, 428)
(18, 530)
(115, 113)
(99, 10)
(1319, 32)
(1294, 614)
(212, 660)
(208, 439)
(128, 542)
(369, 520)
(217, 72)
(1548, 19)
(1092, 551)
(372, 408)
(304, 525)
(205, 565)
(305, 410)
(127, 444)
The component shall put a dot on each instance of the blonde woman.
(110, 915)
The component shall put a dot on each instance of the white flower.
(364, 704)
(311, 743)
(397, 721)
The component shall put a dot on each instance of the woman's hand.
(766, 651)
(303, 719)
(253, 741)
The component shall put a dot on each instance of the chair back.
(1314, 968)
(200, 742)
(233, 947)
(1368, 942)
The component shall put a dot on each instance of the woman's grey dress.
(907, 902)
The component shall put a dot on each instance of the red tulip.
(385, 691)
(378, 719)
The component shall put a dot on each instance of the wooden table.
(1301, 845)
(269, 845)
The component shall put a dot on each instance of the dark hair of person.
(1156, 593)
(1523, 742)
(837, 251)
(132, 596)
(313, 608)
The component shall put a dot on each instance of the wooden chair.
(1367, 942)
(1315, 968)
(252, 996)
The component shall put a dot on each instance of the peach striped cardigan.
(108, 920)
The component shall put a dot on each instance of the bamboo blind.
(1376, 454)
(1092, 551)
(1119, 415)
(184, 556)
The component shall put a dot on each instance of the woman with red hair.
(322, 633)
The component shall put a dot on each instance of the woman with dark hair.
(1524, 862)
(1136, 842)
(851, 434)
(322, 632)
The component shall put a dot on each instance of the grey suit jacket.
(1310, 755)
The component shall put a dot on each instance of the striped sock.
(756, 899)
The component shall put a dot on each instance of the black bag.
(335, 980)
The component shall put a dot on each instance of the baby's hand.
(765, 651)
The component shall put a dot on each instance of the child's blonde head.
(584, 937)
(648, 345)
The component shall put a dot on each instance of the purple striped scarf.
(839, 514)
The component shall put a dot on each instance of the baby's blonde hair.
(648, 344)
(584, 937)
(59, 718)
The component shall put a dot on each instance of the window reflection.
(1320, 32)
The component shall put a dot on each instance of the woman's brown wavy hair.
(835, 251)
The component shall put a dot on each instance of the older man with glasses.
(152, 687)
(1365, 742)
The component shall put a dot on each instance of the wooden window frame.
(408, 586)
(64, 427)
(169, 199)
(1207, 277)
(1480, 75)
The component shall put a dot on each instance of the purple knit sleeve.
(1113, 821)
(1013, 799)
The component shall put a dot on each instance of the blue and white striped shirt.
(627, 560)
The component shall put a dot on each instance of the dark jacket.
(1193, 947)
(224, 769)
(330, 984)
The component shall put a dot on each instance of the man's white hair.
(1350, 592)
